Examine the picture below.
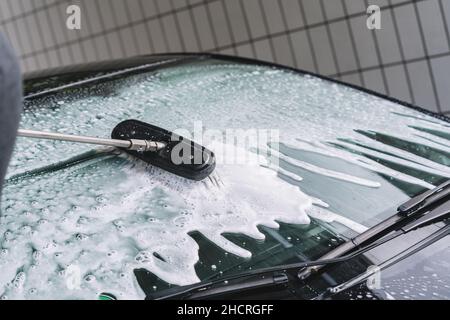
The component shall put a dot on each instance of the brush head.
(180, 156)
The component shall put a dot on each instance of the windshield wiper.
(419, 246)
(429, 207)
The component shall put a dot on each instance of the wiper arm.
(420, 211)
(424, 243)
(429, 207)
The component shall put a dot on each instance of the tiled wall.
(409, 58)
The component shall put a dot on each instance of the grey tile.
(352, 79)
(203, 27)
(239, 29)
(291, 10)
(220, 24)
(131, 47)
(144, 44)
(101, 42)
(171, 32)
(263, 50)
(115, 44)
(5, 12)
(119, 10)
(42, 60)
(11, 34)
(228, 51)
(135, 9)
(446, 13)
(333, 9)
(245, 51)
(380, 3)
(53, 58)
(29, 64)
(90, 49)
(441, 71)
(409, 31)
(66, 55)
(302, 51)
(272, 12)
(387, 40)
(163, 5)
(374, 81)
(364, 42)
(26, 46)
(15, 9)
(188, 32)
(93, 16)
(313, 11)
(355, 7)
(178, 4)
(32, 36)
(107, 14)
(255, 19)
(194, 2)
(433, 27)
(322, 50)
(342, 42)
(157, 36)
(397, 83)
(149, 8)
(76, 53)
(421, 85)
(283, 51)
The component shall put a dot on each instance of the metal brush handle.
(132, 144)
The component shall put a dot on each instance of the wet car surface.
(344, 160)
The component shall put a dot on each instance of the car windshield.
(322, 162)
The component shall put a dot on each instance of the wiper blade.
(420, 211)
(425, 199)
